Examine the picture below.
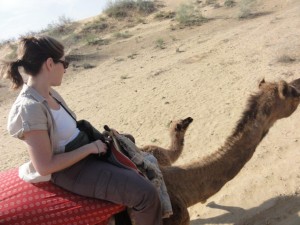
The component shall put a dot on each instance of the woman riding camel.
(41, 118)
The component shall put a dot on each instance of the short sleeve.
(27, 117)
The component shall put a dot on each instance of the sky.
(18, 17)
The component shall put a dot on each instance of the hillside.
(139, 73)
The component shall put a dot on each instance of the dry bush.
(246, 7)
(165, 15)
(60, 27)
(88, 66)
(125, 8)
(187, 15)
(123, 35)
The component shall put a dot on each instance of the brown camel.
(196, 182)
(166, 157)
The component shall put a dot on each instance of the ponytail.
(32, 53)
(10, 71)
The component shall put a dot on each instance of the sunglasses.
(65, 63)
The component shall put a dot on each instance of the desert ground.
(138, 84)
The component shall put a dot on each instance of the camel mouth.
(186, 122)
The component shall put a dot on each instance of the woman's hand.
(43, 159)
(100, 147)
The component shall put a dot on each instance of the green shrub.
(160, 43)
(123, 8)
(246, 7)
(146, 6)
(187, 15)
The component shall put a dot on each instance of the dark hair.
(32, 53)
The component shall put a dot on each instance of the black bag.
(91, 132)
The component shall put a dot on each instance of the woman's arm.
(43, 159)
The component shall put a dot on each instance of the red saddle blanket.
(23, 203)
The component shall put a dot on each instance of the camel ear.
(283, 89)
(261, 82)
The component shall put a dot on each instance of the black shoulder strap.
(64, 107)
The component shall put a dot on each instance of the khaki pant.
(97, 178)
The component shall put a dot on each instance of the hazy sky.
(18, 17)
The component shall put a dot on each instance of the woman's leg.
(99, 179)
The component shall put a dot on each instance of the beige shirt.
(29, 112)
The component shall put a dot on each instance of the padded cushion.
(23, 203)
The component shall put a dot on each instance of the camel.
(166, 157)
(197, 181)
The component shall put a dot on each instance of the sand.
(206, 72)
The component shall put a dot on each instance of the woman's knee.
(148, 197)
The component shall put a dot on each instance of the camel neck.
(176, 148)
(198, 181)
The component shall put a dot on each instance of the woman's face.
(59, 68)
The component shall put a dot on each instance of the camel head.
(277, 100)
(181, 125)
